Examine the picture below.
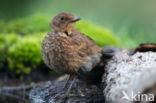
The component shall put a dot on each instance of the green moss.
(1, 51)
(24, 55)
(26, 26)
(6, 41)
(101, 35)
(38, 23)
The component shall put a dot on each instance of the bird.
(66, 50)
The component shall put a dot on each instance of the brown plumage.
(66, 50)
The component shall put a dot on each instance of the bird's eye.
(62, 18)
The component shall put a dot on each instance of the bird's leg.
(70, 86)
(66, 82)
(68, 89)
(64, 86)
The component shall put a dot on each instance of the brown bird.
(66, 50)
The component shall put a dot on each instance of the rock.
(128, 78)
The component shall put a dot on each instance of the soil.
(8, 78)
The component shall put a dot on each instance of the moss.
(101, 35)
(6, 41)
(24, 55)
(38, 23)
(1, 51)
(26, 26)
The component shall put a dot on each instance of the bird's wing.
(86, 45)
(89, 50)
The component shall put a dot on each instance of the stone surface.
(127, 75)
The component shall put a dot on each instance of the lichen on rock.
(127, 75)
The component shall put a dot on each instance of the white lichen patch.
(42, 93)
(129, 74)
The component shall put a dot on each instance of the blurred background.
(23, 24)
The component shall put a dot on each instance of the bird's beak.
(75, 19)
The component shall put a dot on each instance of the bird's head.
(64, 22)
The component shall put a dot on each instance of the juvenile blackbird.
(68, 51)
